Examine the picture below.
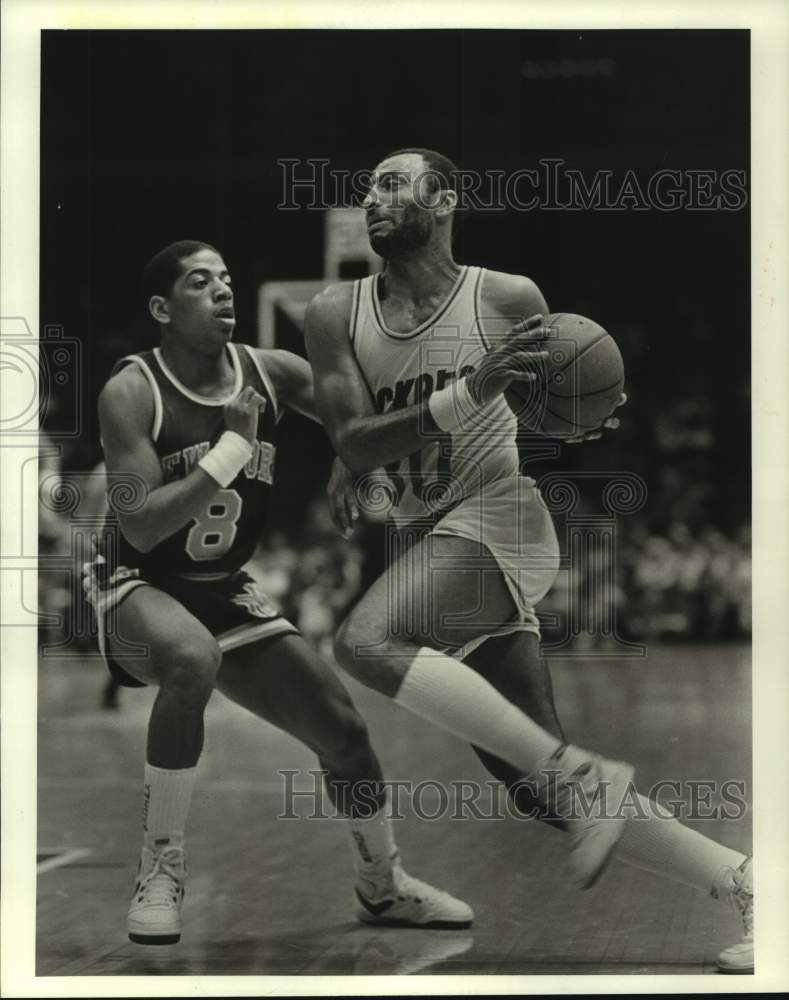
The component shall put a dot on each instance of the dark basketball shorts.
(233, 608)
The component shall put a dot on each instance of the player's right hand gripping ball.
(582, 382)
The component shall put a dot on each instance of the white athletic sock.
(373, 845)
(456, 698)
(662, 845)
(166, 799)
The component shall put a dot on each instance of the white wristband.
(227, 458)
(452, 406)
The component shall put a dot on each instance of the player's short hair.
(439, 166)
(164, 268)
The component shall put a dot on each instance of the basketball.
(579, 384)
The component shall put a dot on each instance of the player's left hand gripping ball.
(611, 424)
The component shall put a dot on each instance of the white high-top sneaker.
(155, 910)
(589, 798)
(396, 899)
(737, 889)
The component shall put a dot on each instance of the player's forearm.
(370, 441)
(167, 509)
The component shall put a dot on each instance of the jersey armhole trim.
(158, 408)
(265, 379)
(478, 307)
(357, 294)
(354, 322)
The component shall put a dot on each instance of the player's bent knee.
(377, 663)
(355, 652)
(192, 667)
(357, 643)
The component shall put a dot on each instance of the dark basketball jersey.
(185, 427)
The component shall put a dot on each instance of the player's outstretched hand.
(342, 498)
(241, 413)
(610, 424)
(517, 359)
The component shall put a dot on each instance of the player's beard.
(412, 232)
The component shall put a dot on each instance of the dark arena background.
(152, 136)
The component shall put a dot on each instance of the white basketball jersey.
(402, 369)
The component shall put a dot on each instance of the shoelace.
(403, 886)
(570, 796)
(741, 897)
(162, 884)
(406, 885)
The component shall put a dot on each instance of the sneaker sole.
(728, 970)
(154, 938)
(429, 925)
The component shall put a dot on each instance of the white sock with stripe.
(374, 847)
(167, 796)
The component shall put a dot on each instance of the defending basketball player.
(193, 422)
(411, 370)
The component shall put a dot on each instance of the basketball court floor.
(274, 896)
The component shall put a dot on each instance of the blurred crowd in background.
(681, 585)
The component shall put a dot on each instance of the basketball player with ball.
(419, 374)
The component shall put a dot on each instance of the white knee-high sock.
(456, 698)
(167, 796)
(661, 845)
